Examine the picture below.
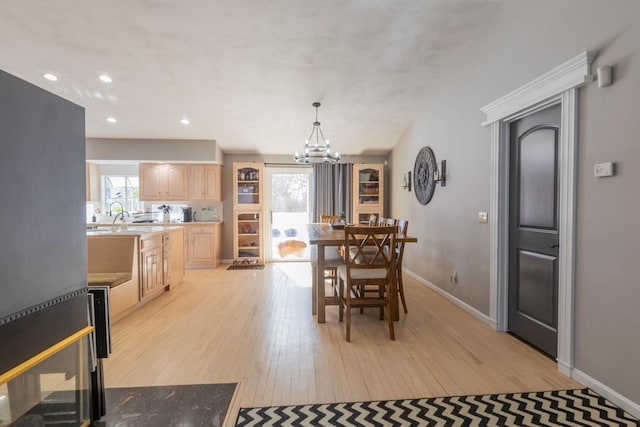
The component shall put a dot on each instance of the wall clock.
(424, 175)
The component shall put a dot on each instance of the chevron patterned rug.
(580, 407)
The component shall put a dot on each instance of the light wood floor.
(256, 328)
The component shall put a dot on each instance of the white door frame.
(558, 86)
(270, 170)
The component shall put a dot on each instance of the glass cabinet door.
(368, 192)
(248, 186)
(368, 187)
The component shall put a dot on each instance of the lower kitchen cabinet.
(175, 257)
(203, 245)
(152, 266)
(161, 261)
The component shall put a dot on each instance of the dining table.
(327, 236)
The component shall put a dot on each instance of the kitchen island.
(202, 239)
(137, 263)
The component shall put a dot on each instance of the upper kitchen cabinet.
(93, 182)
(205, 182)
(163, 181)
(368, 191)
(247, 187)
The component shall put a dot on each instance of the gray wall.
(43, 251)
(522, 40)
(154, 150)
(227, 187)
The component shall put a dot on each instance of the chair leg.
(391, 332)
(340, 299)
(381, 295)
(401, 291)
(348, 319)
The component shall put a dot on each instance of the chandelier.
(318, 151)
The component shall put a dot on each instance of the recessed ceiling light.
(111, 119)
(51, 77)
(185, 121)
(105, 78)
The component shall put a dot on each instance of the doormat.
(193, 405)
(245, 267)
(550, 408)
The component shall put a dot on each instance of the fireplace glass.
(52, 388)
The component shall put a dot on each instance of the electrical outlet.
(483, 217)
(601, 170)
(453, 277)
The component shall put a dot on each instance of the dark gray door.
(533, 229)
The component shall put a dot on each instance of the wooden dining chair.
(332, 257)
(403, 226)
(366, 268)
(386, 221)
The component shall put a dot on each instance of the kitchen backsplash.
(204, 211)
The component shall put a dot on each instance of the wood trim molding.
(566, 268)
(572, 74)
(624, 403)
(556, 86)
(499, 226)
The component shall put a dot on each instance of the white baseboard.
(463, 305)
(564, 368)
(579, 376)
(616, 398)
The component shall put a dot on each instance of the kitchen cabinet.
(163, 181)
(248, 230)
(176, 257)
(203, 245)
(152, 266)
(247, 186)
(248, 241)
(161, 261)
(205, 182)
(92, 182)
(368, 192)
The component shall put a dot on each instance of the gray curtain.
(331, 190)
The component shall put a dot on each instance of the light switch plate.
(603, 169)
(483, 217)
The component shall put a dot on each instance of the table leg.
(314, 290)
(320, 284)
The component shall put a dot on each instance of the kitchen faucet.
(111, 208)
(120, 213)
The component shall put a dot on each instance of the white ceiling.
(245, 72)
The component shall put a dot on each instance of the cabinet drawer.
(151, 242)
(201, 230)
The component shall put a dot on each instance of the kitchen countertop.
(153, 224)
(117, 230)
(139, 228)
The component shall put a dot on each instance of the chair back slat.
(368, 247)
(368, 277)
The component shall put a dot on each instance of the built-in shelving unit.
(368, 192)
(248, 236)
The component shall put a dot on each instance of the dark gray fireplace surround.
(43, 265)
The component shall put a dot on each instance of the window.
(121, 193)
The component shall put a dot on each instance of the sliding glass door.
(288, 213)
